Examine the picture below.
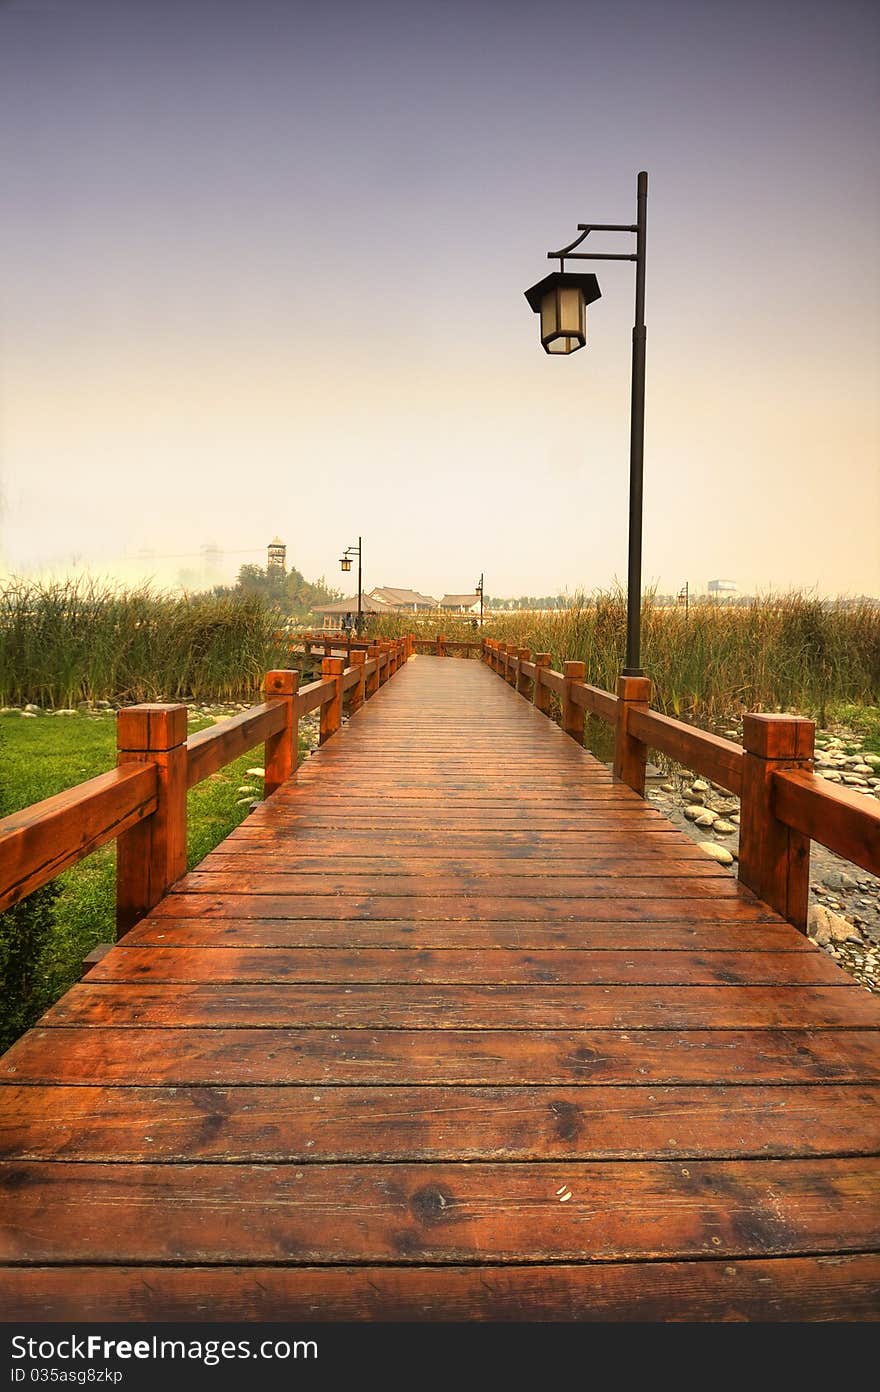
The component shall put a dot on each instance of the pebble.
(706, 818)
(825, 927)
(700, 786)
(31, 709)
(255, 773)
(723, 828)
(693, 812)
(719, 853)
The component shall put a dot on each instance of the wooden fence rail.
(142, 802)
(785, 805)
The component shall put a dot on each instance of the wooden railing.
(142, 802)
(784, 804)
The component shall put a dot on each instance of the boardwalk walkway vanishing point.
(454, 1026)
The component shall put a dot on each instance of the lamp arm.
(585, 228)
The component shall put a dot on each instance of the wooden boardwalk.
(454, 1026)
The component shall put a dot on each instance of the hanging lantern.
(561, 299)
(345, 562)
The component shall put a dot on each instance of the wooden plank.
(791, 1289)
(285, 1124)
(42, 840)
(845, 821)
(469, 908)
(214, 748)
(373, 1006)
(398, 1212)
(704, 936)
(126, 1052)
(483, 869)
(390, 965)
(450, 888)
(715, 758)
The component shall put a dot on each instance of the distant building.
(460, 603)
(332, 614)
(404, 601)
(722, 587)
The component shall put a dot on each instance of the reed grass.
(62, 642)
(791, 651)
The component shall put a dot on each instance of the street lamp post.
(345, 563)
(480, 593)
(561, 300)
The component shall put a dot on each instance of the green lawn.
(42, 943)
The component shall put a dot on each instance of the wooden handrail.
(595, 700)
(718, 759)
(555, 680)
(210, 749)
(40, 841)
(313, 695)
(350, 677)
(847, 822)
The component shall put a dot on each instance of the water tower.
(277, 564)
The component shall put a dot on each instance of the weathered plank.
(435, 1123)
(476, 1211)
(438, 1007)
(575, 966)
(135, 1055)
(791, 1289)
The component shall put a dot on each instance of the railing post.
(573, 716)
(152, 854)
(774, 860)
(631, 755)
(373, 679)
(331, 714)
(356, 694)
(541, 693)
(522, 681)
(282, 750)
(511, 664)
(383, 671)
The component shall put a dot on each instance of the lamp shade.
(345, 562)
(561, 299)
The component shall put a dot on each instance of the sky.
(262, 269)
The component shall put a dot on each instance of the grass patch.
(48, 940)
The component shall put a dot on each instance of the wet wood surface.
(455, 1026)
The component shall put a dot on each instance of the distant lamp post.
(480, 593)
(683, 597)
(345, 564)
(561, 299)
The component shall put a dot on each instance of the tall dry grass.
(86, 640)
(791, 651)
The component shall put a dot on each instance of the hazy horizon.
(263, 272)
